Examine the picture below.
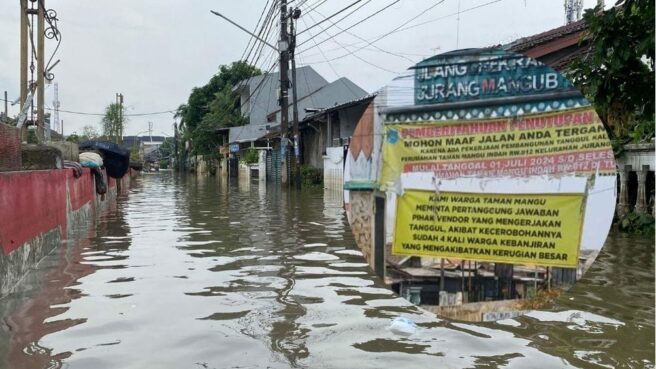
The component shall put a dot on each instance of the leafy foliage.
(134, 153)
(166, 151)
(311, 176)
(617, 74)
(637, 223)
(113, 123)
(214, 106)
(166, 148)
(250, 156)
(73, 137)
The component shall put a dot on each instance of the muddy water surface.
(201, 273)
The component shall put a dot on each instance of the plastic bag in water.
(403, 326)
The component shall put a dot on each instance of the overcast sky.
(156, 51)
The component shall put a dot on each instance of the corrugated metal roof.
(345, 105)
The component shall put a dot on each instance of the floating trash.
(403, 326)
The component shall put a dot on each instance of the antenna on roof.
(573, 10)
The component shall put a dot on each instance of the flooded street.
(198, 273)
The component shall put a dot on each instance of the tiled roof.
(530, 42)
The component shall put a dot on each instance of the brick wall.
(10, 148)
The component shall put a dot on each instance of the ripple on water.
(196, 272)
(316, 256)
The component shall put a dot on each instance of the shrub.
(250, 156)
(637, 223)
(311, 176)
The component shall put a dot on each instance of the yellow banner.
(532, 229)
(567, 141)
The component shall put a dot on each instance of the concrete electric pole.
(55, 105)
(26, 85)
(119, 128)
(40, 69)
(23, 62)
(294, 15)
(283, 46)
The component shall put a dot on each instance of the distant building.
(130, 142)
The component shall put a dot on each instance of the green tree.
(73, 137)
(166, 152)
(113, 123)
(166, 148)
(617, 74)
(214, 106)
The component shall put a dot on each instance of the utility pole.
(150, 131)
(295, 14)
(175, 144)
(284, 51)
(6, 108)
(119, 128)
(283, 46)
(40, 67)
(56, 105)
(120, 114)
(23, 61)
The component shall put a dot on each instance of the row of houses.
(328, 114)
(330, 111)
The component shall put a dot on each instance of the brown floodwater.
(189, 272)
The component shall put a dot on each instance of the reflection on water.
(196, 272)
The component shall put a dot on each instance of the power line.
(264, 33)
(333, 15)
(333, 24)
(103, 114)
(405, 28)
(256, 26)
(356, 36)
(449, 15)
(316, 5)
(357, 56)
(331, 67)
(369, 43)
(352, 26)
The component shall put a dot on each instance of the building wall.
(361, 218)
(314, 145)
(333, 168)
(637, 156)
(348, 120)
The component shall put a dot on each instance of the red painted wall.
(81, 189)
(34, 202)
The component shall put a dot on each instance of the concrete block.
(41, 157)
(69, 150)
